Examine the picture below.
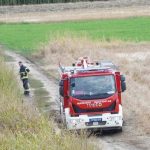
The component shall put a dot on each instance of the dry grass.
(22, 127)
(68, 49)
(133, 59)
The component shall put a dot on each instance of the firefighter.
(24, 77)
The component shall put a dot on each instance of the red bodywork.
(94, 106)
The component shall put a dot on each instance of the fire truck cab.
(90, 95)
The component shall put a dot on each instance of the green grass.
(26, 38)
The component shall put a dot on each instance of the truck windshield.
(92, 87)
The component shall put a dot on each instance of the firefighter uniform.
(24, 77)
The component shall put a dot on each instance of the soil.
(133, 60)
(73, 6)
(75, 11)
(134, 136)
(136, 130)
(49, 85)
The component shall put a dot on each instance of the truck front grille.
(79, 110)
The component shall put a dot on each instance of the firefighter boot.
(26, 93)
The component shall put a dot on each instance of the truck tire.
(119, 130)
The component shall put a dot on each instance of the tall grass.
(22, 127)
(72, 48)
(132, 59)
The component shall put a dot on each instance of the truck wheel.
(119, 129)
(60, 110)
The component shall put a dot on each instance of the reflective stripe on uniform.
(24, 72)
(24, 75)
(26, 90)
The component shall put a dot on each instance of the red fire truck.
(90, 95)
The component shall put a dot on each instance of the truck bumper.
(104, 121)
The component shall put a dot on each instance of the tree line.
(27, 2)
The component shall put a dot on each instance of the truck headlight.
(115, 118)
(76, 121)
(73, 122)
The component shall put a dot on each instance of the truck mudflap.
(103, 121)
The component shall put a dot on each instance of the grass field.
(26, 38)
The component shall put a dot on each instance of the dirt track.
(134, 63)
(48, 83)
(75, 11)
(136, 131)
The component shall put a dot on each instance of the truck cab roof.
(100, 67)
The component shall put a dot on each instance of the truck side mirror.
(123, 83)
(61, 83)
(123, 79)
(61, 88)
(123, 86)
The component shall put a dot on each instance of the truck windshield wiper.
(93, 96)
(110, 92)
